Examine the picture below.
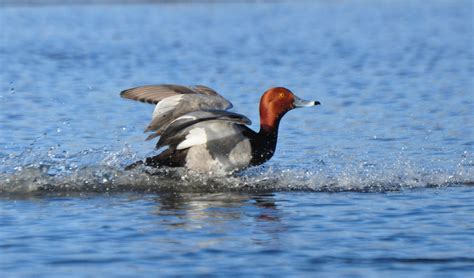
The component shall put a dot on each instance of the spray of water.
(101, 170)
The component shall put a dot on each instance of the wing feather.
(156, 93)
(177, 132)
(173, 101)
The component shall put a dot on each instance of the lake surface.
(377, 181)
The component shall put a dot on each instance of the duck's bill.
(298, 102)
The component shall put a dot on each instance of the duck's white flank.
(241, 154)
(199, 159)
(196, 136)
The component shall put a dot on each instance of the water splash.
(101, 170)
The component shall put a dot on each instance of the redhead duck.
(201, 135)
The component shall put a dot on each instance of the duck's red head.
(275, 102)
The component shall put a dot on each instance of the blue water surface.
(377, 181)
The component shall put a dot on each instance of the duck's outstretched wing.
(156, 93)
(173, 101)
(201, 127)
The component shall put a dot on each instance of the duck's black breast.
(263, 146)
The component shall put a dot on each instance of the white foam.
(101, 171)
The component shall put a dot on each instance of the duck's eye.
(282, 95)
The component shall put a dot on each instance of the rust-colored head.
(275, 102)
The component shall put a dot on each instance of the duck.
(197, 131)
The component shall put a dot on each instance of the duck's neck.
(266, 140)
(269, 136)
(269, 131)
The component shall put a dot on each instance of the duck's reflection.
(222, 216)
(216, 206)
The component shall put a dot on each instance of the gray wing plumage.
(155, 93)
(173, 101)
(215, 124)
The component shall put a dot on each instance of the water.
(376, 181)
